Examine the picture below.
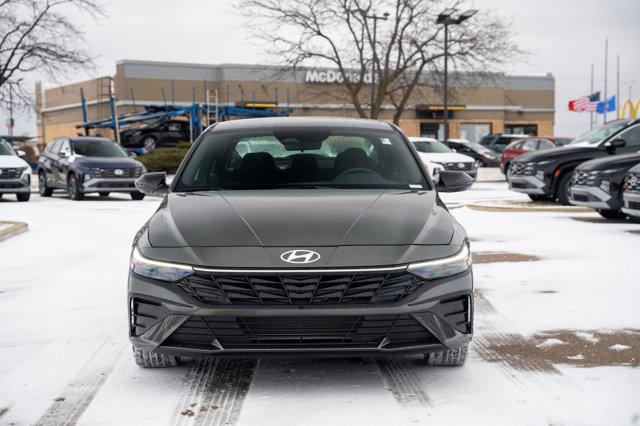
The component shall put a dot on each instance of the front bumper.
(15, 186)
(591, 196)
(109, 185)
(631, 203)
(436, 316)
(526, 184)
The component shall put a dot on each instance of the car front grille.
(520, 169)
(634, 205)
(10, 173)
(114, 173)
(583, 178)
(292, 332)
(143, 314)
(330, 289)
(580, 197)
(632, 181)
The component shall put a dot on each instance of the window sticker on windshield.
(415, 186)
(386, 141)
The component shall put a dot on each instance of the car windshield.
(97, 148)
(475, 146)
(431, 146)
(595, 136)
(6, 149)
(301, 157)
(562, 142)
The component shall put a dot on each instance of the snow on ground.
(64, 354)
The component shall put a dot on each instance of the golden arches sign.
(633, 108)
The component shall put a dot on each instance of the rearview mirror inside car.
(153, 183)
(452, 181)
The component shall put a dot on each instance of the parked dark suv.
(85, 164)
(156, 135)
(301, 235)
(547, 174)
(598, 184)
(498, 142)
(631, 194)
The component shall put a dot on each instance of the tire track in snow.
(404, 384)
(78, 394)
(215, 391)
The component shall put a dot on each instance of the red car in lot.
(531, 143)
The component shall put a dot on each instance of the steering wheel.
(357, 170)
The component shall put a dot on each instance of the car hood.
(613, 162)
(559, 153)
(446, 157)
(107, 162)
(12, 161)
(300, 218)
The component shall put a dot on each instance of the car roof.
(458, 140)
(280, 122)
(89, 139)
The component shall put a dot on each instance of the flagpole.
(591, 113)
(618, 84)
(606, 54)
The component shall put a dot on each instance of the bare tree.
(408, 45)
(39, 36)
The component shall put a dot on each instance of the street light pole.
(446, 18)
(374, 55)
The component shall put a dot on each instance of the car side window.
(530, 145)
(545, 144)
(54, 146)
(518, 145)
(173, 127)
(631, 136)
(65, 147)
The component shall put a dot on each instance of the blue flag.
(606, 105)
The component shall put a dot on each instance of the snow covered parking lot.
(557, 332)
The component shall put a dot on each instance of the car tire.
(449, 357)
(634, 219)
(611, 214)
(562, 192)
(43, 189)
(137, 196)
(149, 143)
(104, 194)
(23, 196)
(73, 188)
(506, 168)
(148, 359)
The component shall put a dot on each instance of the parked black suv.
(156, 135)
(631, 194)
(301, 235)
(86, 164)
(547, 174)
(598, 184)
(498, 142)
(483, 156)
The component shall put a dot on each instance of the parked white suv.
(15, 173)
(434, 151)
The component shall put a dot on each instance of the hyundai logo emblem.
(300, 256)
(118, 172)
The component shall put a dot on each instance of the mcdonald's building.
(478, 106)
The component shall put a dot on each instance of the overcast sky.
(563, 37)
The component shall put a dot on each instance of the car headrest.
(258, 167)
(350, 158)
(304, 165)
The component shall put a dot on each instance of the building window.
(432, 130)
(521, 129)
(474, 131)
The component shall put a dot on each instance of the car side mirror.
(132, 154)
(153, 183)
(452, 181)
(21, 153)
(616, 143)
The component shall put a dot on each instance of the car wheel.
(611, 214)
(104, 194)
(148, 359)
(43, 189)
(634, 219)
(563, 188)
(137, 196)
(449, 357)
(506, 168)
(74, 188)
(150, 143)
(23, 196)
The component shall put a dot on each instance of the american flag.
(585, 103)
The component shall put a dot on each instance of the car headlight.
(25, 172)
(440, 268)
(163, 271)
(605, 185)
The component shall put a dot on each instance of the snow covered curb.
(11, 229)
(525, 206)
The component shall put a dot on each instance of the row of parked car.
(78, 165)
(599, 169)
